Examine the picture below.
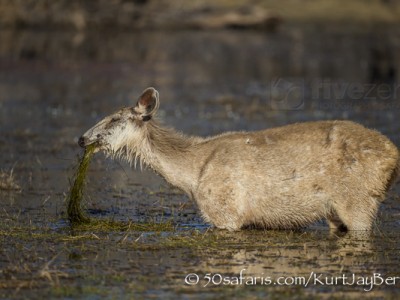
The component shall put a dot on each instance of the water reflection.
(55, 85)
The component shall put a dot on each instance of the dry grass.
(8, 182)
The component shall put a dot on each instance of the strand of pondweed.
(74, 210)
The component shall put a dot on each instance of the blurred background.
(218, 65)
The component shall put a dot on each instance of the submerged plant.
(74, 210)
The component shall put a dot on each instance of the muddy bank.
(162, 14)
(136, 14)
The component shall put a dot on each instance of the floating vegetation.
(111, 225)
(192, 239)
(74, 210)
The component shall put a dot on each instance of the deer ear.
(147, 104)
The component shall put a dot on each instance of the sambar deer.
(279, 178)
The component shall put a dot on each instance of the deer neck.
(170, 154)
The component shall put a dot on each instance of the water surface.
(55, 85)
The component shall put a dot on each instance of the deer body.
(285, 177)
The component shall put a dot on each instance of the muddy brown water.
(55, 85)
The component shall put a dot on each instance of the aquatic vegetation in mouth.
(81, 221)
(74, 209)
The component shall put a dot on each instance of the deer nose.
(81, 142)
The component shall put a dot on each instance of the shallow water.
(55, 85)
